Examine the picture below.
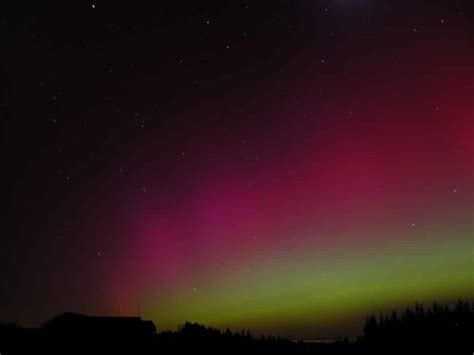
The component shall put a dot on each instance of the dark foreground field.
(438, 330)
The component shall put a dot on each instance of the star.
(93, 6)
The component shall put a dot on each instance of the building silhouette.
(75, 324)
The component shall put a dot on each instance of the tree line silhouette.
(435, 329)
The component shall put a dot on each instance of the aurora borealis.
(283, 167)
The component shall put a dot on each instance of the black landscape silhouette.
(438, 329)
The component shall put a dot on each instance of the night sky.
(281, 166)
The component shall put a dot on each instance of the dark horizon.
(314, 339)
(435, 328)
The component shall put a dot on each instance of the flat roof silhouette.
(75, 322)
